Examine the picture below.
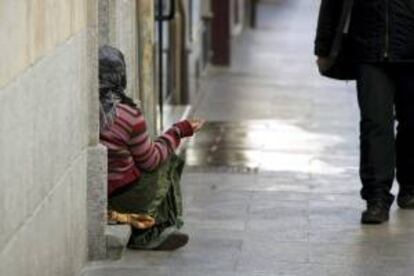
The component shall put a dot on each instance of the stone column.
(97, 158)
(146, 50)
(117, 27)
(177, 43)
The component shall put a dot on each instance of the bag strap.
(343, 27)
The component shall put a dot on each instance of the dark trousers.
(386, 95)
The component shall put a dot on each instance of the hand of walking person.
(323, 63)
(197, 124)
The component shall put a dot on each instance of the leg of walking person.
(404, 100)
(376, 91)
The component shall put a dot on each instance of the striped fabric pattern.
(131, 150)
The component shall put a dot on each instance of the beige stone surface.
(119, 28)
(124, 36)
(30, 29)
(13, 17)
(148, 92)
(92, 48)
(52, 241)
(50, 129)
(44, 122)
(97, 202)
(79, 14)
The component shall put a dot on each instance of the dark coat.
(380, 30)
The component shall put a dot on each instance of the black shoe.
(173, 242)
(377, 212)
(405, 199)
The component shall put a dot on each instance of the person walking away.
(380, 44)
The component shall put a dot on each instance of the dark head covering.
(112, 70)
(112, 83)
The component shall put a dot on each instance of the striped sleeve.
(148, 154)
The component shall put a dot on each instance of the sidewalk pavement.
(275, 189)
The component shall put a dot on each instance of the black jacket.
(379, 30)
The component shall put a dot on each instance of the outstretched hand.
(197, 124)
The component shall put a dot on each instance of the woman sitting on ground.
(143, 175)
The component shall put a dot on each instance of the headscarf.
(112, 84)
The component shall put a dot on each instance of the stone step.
(117, 237)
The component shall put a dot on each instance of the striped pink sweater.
(131, 150)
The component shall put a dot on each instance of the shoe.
(377, 212)
(173, 242)
(405, 200)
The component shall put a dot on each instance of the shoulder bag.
(339, 66)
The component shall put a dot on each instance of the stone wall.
(46, 81)
(129, 26)
(118, 28)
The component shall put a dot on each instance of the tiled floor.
(273, 187)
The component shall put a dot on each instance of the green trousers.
(157, 194)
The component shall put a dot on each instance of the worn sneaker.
(173, 242)
(405, 199)
(377, 212)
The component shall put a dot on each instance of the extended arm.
(148, 154)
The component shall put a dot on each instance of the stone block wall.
(129, 26)
(46, 81)
(118, 28)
